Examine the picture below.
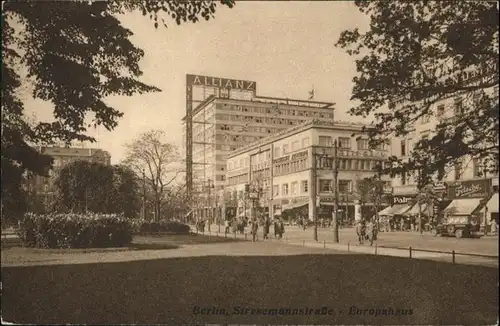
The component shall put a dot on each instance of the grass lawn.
(174, 290)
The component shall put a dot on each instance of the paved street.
(486, 245)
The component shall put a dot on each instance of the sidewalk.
(362, 249)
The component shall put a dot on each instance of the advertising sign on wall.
(219, 82)
(401, 200)
(469, 189)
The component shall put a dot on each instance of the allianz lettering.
(221, 82)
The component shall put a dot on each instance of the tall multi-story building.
(293, 170)
(466, 187)
(43, 187)
(223, 115)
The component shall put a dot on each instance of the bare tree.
(154, 159)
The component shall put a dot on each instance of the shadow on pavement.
(150, 242)
(354, 289)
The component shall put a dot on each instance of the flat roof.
(267, 100)
(335, 125)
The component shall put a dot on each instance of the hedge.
(58, 230)
(164, 226)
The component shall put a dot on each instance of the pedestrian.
(370, 231)
(493, 222)
(276, 227)
(227, 225)
(267, 224)
(360, 231)
(255, 227)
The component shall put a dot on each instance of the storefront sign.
(469, 189)
(362, 153)
(282, 159)
(299, 200)
(299, 155)
(398, 200)
(329, 199)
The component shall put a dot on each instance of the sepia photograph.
(239, 162)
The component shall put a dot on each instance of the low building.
(292, 171)
(40, 189)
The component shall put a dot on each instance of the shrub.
(175, 227)
(75, 230)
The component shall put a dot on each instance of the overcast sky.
(286, 47)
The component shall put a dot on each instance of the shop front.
(399, 214)
(468, 200)
(326, 208)
(492, 213)
(295, 208)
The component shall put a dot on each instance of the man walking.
(267, 224)
(370, 231)
(255, 227)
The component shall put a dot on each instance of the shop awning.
(400, 209)
(292, 206)
(386, 211)
(425, 210)
(493, 204)
(465, 206)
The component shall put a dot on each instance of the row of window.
(458, 106)
(254, 129)
(293, 190)
(350, 164)
(326, 185)
(345, 143)
(290, 167)
(295, 146)
(238, 163)
(261, 120)
(303, 164)
(239, 179)
(276, 110)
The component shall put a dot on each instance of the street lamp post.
(487, 194)
(335, 166)
(316, 197)
(210, 185)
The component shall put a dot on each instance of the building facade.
(41, 189)
(292, 171)
(466, 182)
(224, 119)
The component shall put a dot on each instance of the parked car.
(459, 226)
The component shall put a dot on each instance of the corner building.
(280, 169)
(466, 188)
(227, 114)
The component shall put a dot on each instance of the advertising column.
(357, 211)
